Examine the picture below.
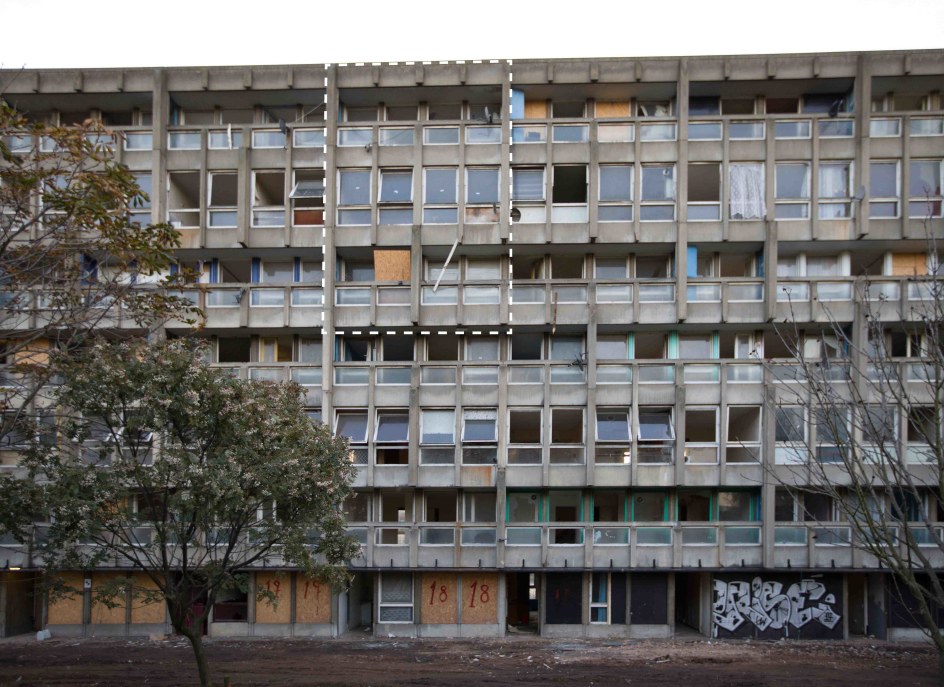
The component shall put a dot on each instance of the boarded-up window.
(617, 108)
(392, 265)
(535, 109)
(649, 599)
(909, 264)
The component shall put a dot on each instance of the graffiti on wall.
(766, 606)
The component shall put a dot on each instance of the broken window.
(233, 349)
(223, 192)
(570, 184)
(567, 348)
(832, 434)
(704, 192)
(524, 436)
(744, 430)
(792, 191)
(784, 505)
(527, 347)
(308, 198)
(479, 506)
(183, 199)
(701, 435)
(483, 269)
(615, 193)
(481, 186)
(565, 506)
(357, 507)
(567, 266)
(357, 270)
(442, 347)
(140, 210)
(609, 506)
(567, 428)
(309, 350)
(703, 105)
(397, 348)
(440, 196)
(440, 506)
(658, 193)
(818, 507)
(654, 108)
(694, 506)
(268, 204)
(649, 345)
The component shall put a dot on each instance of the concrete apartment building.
(537, 297)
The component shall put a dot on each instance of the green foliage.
(180, 471)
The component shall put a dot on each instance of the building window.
(600, 598)
(656, 435)
(792, 191)
(658, 193)
(481, 195)
(835, 196)
(524, 436)
(615, 193)
(354, 197)
(612, 425)
(307, 197)
(438, 427)
(884, 189)
(924, 189)
(569, 193)
(440, 191)
(479, 426)
(746, 191)
(704, 192)
(567, 435)
(396, 598)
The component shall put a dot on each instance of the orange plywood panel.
(438, 598)
(102, 614)
(141, 610)
(68, 610)
(479, 598)
(312, 601)
(281, 586)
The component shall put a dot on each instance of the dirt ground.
(472, 663)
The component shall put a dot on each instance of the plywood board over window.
(392, 265)
(479, 598)
(35, 353)
(280, 611)
(102, 614)
(141, 611)
(438, 599)
(67, 610)
(535, 109)
(909, 264)
(312, 601)
(612, 108)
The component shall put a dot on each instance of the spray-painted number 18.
(482, 591)
(443, 594)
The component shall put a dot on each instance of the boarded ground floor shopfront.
(490, 603)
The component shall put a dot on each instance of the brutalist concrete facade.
(537, 297)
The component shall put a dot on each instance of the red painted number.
(443, 593)
(273, 584)
(482, 593)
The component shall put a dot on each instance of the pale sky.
(112, 33)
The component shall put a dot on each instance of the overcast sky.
(111, 33)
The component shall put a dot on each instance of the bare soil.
(467, 663)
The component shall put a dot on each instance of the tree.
(871, 389)
(77, 252)
(179, 472)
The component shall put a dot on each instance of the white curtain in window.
(746, 184)
(833, 181)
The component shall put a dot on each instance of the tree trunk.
(196, 641)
